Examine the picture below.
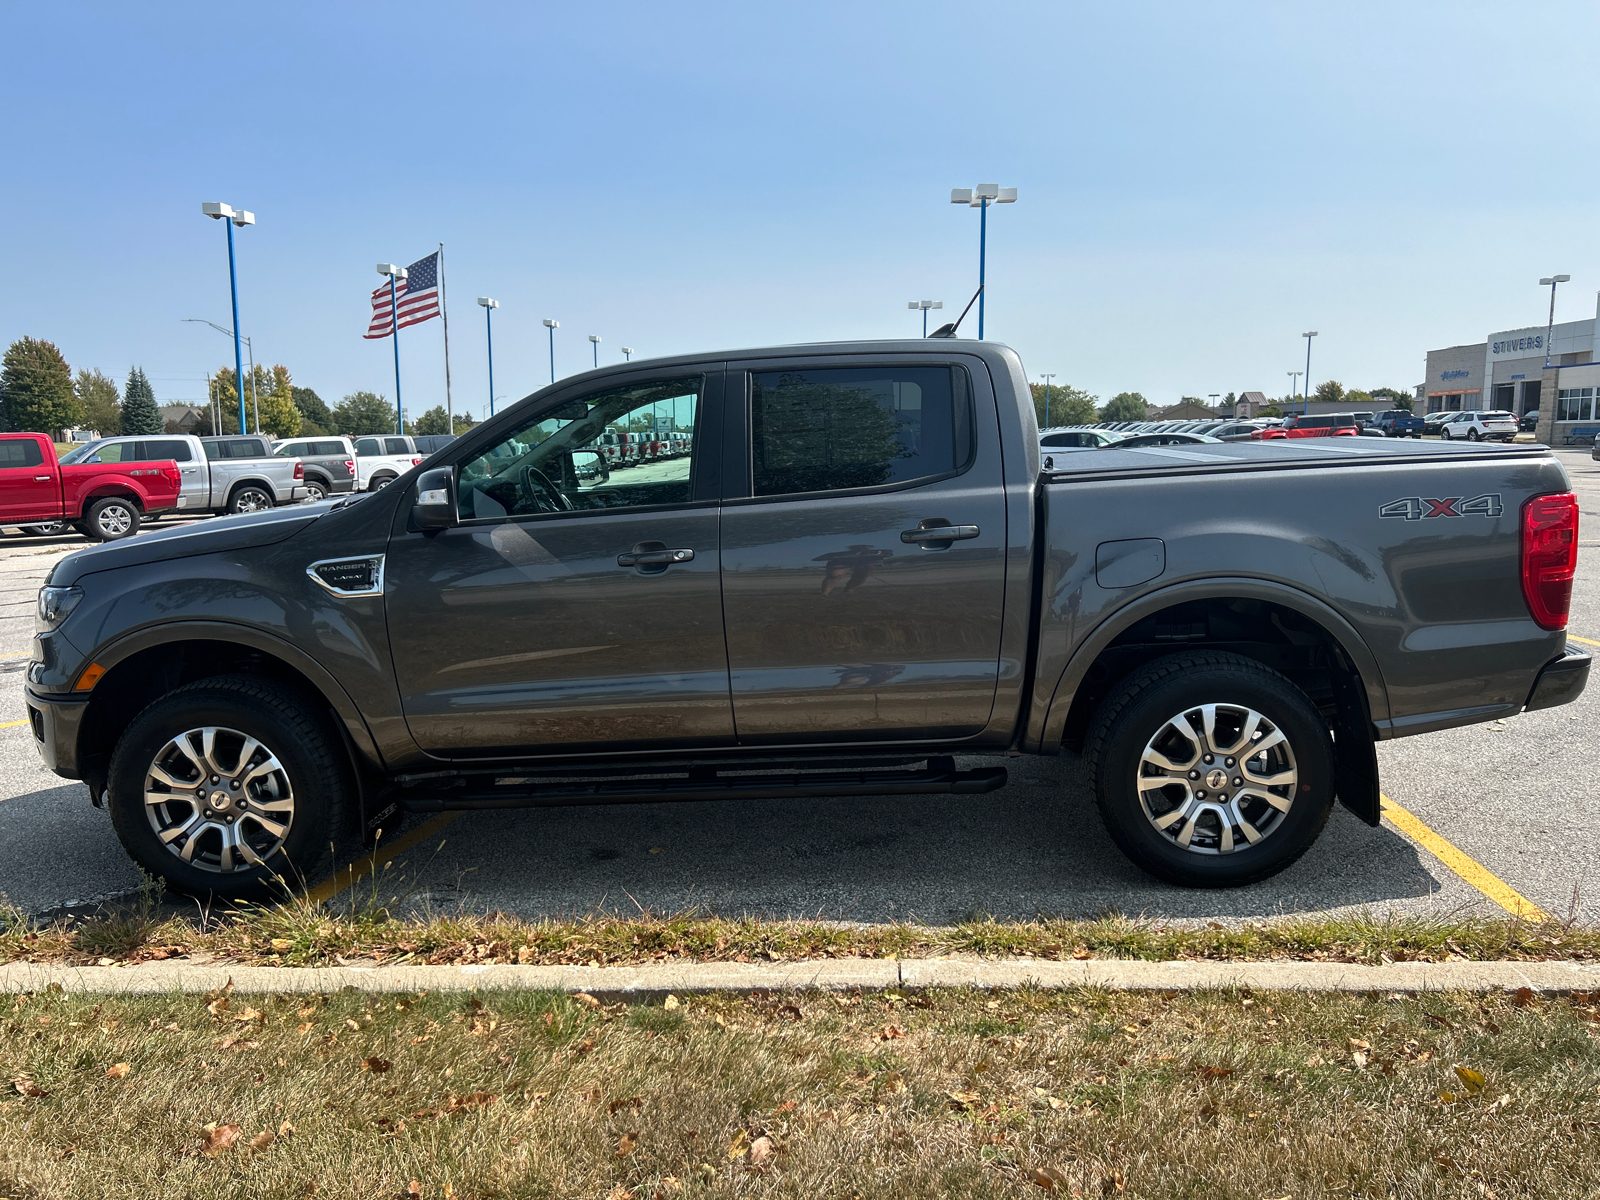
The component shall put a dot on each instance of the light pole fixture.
(250, 347)
(1047, 378)
(1305, 396)
(231, 217)
(980, 198)
(1550, 281)
(627, 353)
(395, 273)
(552, 326)
(489, 306)
(594, 342)
(924, 305)
(1294, 386)
(1213, 396)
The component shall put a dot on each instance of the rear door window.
(290, 450)
(160, 450)
(834, 428)
(368, 446)
(328, 448)
(396, 445)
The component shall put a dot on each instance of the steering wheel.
(545, 494)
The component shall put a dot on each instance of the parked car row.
(627, 448)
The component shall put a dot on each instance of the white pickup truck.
(383, 458)
(220, 474)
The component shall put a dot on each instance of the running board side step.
(698, 783)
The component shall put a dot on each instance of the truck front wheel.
(111, 518)
(229, 786)
(1211, 770)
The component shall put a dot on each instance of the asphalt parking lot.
(1517, 798)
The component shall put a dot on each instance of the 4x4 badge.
(1417, 508)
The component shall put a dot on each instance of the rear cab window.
(20, 452)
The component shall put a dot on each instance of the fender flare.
(331, 690)
(1044, 734)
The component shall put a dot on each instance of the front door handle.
(936, 530)
(41, 479)
(654, 554)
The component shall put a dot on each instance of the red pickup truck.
(1302, 426)
(103, 501)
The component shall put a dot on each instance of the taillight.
(299, 470)
(416, 462)
(1549, 556)
(173, 476)
(350, 466)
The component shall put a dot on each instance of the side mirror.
(436, 499)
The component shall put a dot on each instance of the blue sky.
(1198, 183)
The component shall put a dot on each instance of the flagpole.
(394, 332)
(444, 312)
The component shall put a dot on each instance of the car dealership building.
(1507, 372)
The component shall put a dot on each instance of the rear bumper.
(342, 485)
(55, 721)
(296, 494)
(1560, 681)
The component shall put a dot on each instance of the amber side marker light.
(90, 677)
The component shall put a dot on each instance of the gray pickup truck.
(859, 582)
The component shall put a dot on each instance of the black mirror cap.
(435, 506)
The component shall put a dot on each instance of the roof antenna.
(949, 330)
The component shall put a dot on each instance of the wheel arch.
(256, 482)
(146, 664)
(107, 491)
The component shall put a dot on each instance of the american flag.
(417, 295)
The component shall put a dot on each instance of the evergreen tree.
(435, 421)
(139, 412)
(312, 409)
(363, 412)
(36, 393)
(1330, 391)
(97, 396)
(279, 415)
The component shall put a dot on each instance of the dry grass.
(301, 933)
(943, 1095)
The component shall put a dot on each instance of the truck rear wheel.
(1211, 770)
(229, 786)
(250, 498)
(110, 519)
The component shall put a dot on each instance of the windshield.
(82, 452)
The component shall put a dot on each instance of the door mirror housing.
(435, 507)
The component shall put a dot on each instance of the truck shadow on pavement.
(1036, 848)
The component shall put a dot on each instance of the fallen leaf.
(282, 944)
(120, 1071)
(421, 1038)
(306, 1028)
(621, 1192)
(474, 1100)
(1472, 1080)
(962, 1101)
(786, 1106)
(671, 1002)
(1524, 996)
(761, 1151)
(584, 1046)
(890, 1032)
(286, 1129)
(27, 1087)
(249, 1014)
(894, 1082)
(1049, 1178)
(219, 1138)
(741, 1143)
(352, 1025)
(632, 1102)
(262, 1140)
(1080, 955)
(238, 1043)
(627, 1144)
(376, 1065)
(585, 999)
(414, 1188)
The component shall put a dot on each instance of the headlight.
(55, 603)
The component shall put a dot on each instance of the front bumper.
(55, 721)
(1561, 680)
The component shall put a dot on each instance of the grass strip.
(302, 933)
(949, 1094)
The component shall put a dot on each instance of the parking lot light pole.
(594, 341)
(924, 305)
(489, 306)
(552, 326)
(225, 213)
(1305, 396)
(627, 353)
(1294, 386)
(394, 273)
(980, 198)
(250, 346)
(1550, 281)
(1047, 379)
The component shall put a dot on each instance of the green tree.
(280, 416)
(313, 410)
(97, 397)
(1356, 398)
(1068, 405)
(139, 412)
(1126, 406)
(227, 396)
(1330, 391)
(1393, 397)
(1271, 410)
(36, 393)
(434, 421)
(363, 412)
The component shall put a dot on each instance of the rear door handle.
(927, 531)
(652, 558)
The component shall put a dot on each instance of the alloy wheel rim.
(219, 799)
(1217, 779)
(251, 501)
(114, 520)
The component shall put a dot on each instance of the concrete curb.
(654, 980)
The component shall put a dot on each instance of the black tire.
(250, 497)
(110, 519)
(320, 489)
(1141, 708)
(378, 482)
(287, 724)
(1444, 432)
(1472, 435)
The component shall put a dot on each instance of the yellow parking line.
(1474, 872)
(1572, 637)
(13, 724)
(345, 876)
